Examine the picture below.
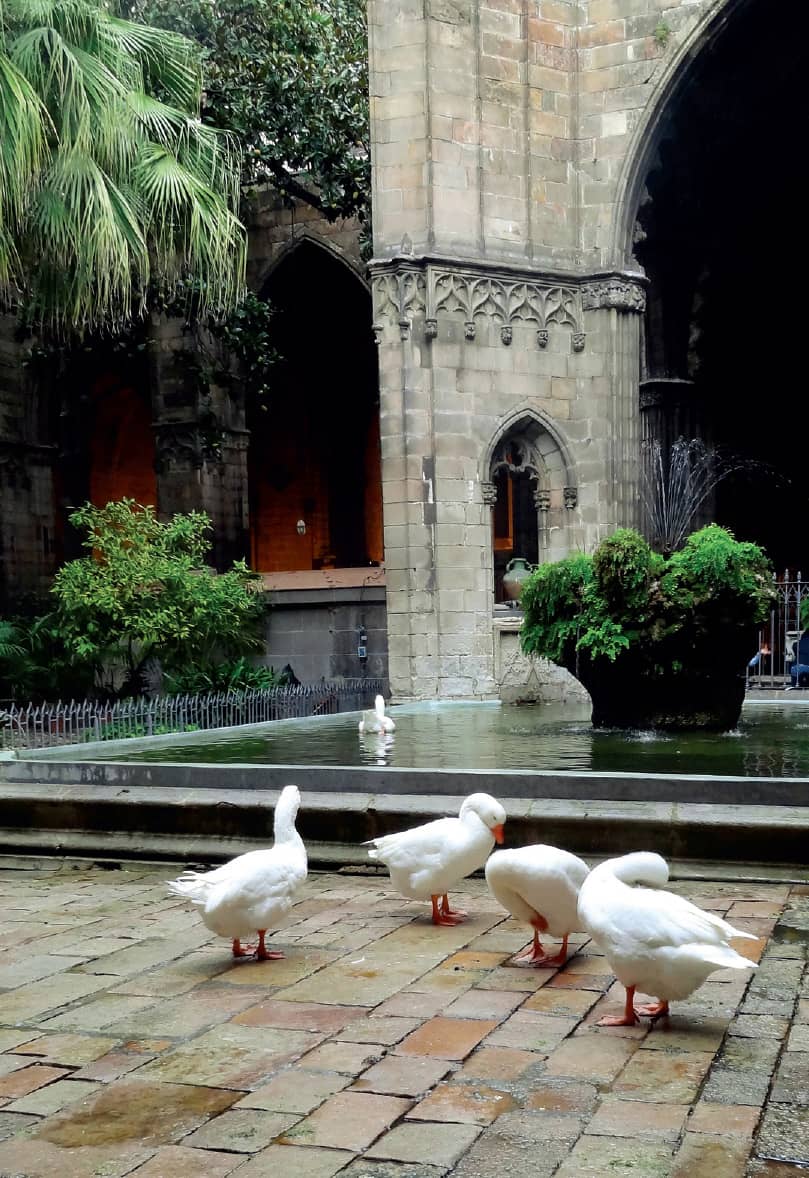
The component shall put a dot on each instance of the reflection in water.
(376, 748)
(772, 740)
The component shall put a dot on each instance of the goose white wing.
(429, 859)
(651, 920)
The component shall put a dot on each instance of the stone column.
(200, 442)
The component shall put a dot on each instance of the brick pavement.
(381, 1047)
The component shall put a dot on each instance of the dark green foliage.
(289, 79)
(638, 629)
(234, 675)
(144, 593)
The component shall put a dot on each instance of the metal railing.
(49, 725)
(779, 636)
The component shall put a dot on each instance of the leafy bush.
(144, 592)
(236, 675)
(687, 618)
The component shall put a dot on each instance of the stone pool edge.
(204, 825)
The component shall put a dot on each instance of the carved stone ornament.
(570, 497)
(542, 500)
(489, 492)
(615, 292)
(184, 445)
(577, 341)
(435, 289)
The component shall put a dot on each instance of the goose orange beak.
(497, 831)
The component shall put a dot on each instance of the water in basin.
(772, 740)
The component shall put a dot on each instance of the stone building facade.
(576, 209)
(558, 196)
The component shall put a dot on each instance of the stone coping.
(99, 819)
(390, 780)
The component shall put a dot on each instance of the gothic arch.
(556, 445)
(303, 236)
(528, 482)
(646, 136)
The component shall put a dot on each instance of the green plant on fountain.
(658, 641)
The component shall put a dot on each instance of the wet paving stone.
(784, 1134)
(380, 1047)
(349, 1120)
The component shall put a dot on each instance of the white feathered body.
(375, 720)
(654, 940)
(256, 890)
(431, 859)
(538, 880)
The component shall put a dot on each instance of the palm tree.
(110, 187)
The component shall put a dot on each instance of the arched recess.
(528, 480)
(713, 197)
(314, 462)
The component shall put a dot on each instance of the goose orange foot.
(537, 957)
(447, 911)
(442, 917)
(240, 950)
(265, 954)
(628, 1019)
(654, 1010)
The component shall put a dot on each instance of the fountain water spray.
(676, 483)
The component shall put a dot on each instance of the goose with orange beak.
(429, 860)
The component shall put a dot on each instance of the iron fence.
(49, 725)
(779, 636)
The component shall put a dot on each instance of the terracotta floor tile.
(597, 1157)
(53, 1097)
(403, 1075)
(440, 1144)
(305, 1016)
(486, 1004)
(297, 1162)
(68, 1049)
(337, 1056)
(473, 959)
(532, 1031)
(552, 1000)
(581, 981)
(387, 1030)
(241, 1130)
(636, 1119)
(463, 1103)
(447, 1038)
(24, 1080)
(724, 1120)
(560, 1095)
(295, 1090)
(176, 1161)
(710, 1157)
(497, 1063)
(596, 1057)
(412, 1004)
(349, 1121)
(670, 1079)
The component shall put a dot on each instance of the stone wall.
(509, 144)
(317, 633)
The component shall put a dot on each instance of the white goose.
(655, 941)
(375, 720)
(539, 885)
(252, 892)
(428, 860)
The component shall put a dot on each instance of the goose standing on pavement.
(428, 860)
(253, 892)
(655, 942)
(540, 886)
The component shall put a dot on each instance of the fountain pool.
(772, 740)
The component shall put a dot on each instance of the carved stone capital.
(489, 493)
(615, 292)
(542, 500)
(570, 497)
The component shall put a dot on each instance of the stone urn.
(518, 570)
